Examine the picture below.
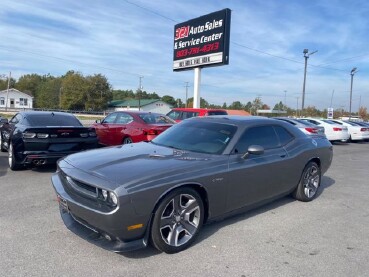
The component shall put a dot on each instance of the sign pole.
(196, 87)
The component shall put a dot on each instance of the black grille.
(79, 187)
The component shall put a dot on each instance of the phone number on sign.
(196, 50)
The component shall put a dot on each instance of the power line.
(67, 60)
(151, 11)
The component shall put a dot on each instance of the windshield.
(202, 137)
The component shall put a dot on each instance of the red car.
(129, 127)
(179, 114)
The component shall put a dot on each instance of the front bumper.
(98, 238)
(109, 230)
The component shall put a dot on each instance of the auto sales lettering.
(184, 32)
(202, 41)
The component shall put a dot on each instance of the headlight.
(104, 194)
(113, 198)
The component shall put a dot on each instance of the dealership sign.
(203, 41)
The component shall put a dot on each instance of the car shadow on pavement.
(49, 168)
(209, 229)
(3, 165)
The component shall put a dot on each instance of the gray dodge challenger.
(200, 170)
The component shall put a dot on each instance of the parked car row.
(165, 186)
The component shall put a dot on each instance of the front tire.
(11, 158)
(309, 183)
(177, 220)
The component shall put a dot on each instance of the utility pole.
(297, 107)
(306, 56)
(285, 99)
(186, 93)
(353, 71)
(139, 93)
(7, 91)
(332, 99)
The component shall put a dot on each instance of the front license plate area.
(63, 203)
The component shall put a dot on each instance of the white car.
(333, 132)
(356, 131)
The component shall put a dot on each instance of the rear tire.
(177, 220)
(309, 184)
(11, 159)
(127, 140)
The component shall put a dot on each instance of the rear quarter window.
(283, 135)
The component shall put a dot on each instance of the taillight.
(151, 132)
(29, 135)
(337, 129)
(311, 130)
(363, 129)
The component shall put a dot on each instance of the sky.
(124, 40)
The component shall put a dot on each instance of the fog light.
(113, 198)
(104, 194)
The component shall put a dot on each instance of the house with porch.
(15, 99)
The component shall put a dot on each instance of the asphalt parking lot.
(326, 237)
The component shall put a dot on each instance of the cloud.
(127, 39)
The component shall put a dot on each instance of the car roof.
(245, 122)
(196, 109)
(137, 112)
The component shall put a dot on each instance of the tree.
(179, 103)
(257, 104)
(4, 82)
(98, 93)
(224, 106)
(248, 107)
(363, 113)
(48, 93)
(203, 103)
(280, 106)
(236, 106)
(153, 96)
(169, 100)
(123, 94)
(74, 91)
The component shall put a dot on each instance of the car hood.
(137, 164)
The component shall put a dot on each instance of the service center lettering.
(193, 42)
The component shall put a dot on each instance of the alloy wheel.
(311, 181)
(180, 220)
(10, 155)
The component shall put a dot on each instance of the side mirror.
(98, 121)
(254, 150)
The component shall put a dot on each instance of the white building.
(147, 105)
(15, 99)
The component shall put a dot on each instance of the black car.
(199, 170)
(37, 138)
